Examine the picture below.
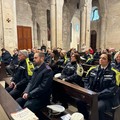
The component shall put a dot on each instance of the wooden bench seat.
(3, 115)
(8, 104)
(75, 91)
(86, 67)
(3, 73)
(88, 96)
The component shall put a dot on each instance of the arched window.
(94, 14)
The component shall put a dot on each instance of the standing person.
(38, 91)
(22, 75)
(104, 80)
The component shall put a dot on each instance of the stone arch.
(75, 33)
(69, 9)
(39, 16)
(93, 39)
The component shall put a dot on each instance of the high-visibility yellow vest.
(117, 76)
(30, 67)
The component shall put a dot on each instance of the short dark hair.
(3, 49)
(108, 55)
(41, 54)
(77, 57)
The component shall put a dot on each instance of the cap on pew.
(77, 116)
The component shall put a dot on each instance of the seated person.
(88, 57)
(38, 91)
(104, 80)
(13, 64)
(73, 71)
(22, 75)
(54, 61)
(5, 57)
(116, 63)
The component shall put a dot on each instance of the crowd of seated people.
(34, 70)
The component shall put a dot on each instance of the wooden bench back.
(86, 67)
(90, 97)
(8, 103)
(2, 71)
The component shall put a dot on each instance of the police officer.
(22, 75)
(73, 71)
(104, 80)
(38, 91)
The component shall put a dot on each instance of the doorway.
(24, 37)
(93, 39)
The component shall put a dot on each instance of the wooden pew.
(3, 75)
(3, 115)
(75, 91)
(8, 104)
(86, 67)
(2, 71)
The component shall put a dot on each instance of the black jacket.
(21, 77)
(40, 85)
(70, 74)
(116, 65)
(6, 58)
(102, 81)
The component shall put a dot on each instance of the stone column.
(1, 26)
(88, 14)
(9, 24)
(59, 17)
(35, 42)
(82, 23)
(85, 12)
(53, 24)
(103, 32)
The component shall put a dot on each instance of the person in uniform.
(21, 76)
(104, 80)
(38, 91)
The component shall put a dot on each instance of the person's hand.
(15, 86)
(25, 96)
(63, 79)
(12, 84)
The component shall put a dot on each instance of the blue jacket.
(6, 58)
(102, 81)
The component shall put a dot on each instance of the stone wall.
(69, 10)
(24, 14)
(1, 26)
(41, 19)
(95, 25)
(66, 28)
(113, 24)
(9, 32)
(75, 30)
(34, 14)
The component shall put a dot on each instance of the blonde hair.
(115, 56)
